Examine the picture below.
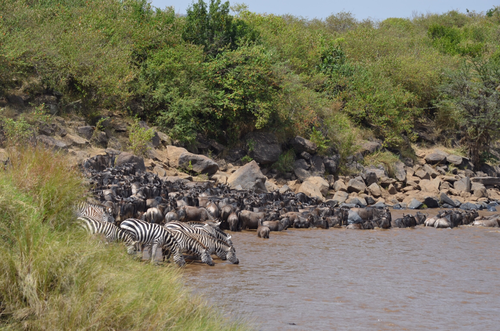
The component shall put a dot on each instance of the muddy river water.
(337, 279)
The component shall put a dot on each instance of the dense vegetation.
(53, 276)
(224, 73)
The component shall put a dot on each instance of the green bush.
(285, 162)
(139, 139)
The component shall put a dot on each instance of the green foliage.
(139, 139)
(246, 159)
(17, 132)
(320, 140)
(472, 94)
(453, 41)
(213, 27)
(285, 162)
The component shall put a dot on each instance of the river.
(338, 279)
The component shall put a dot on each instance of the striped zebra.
(213, 245)
(190, 245)
(95, 212)
(153, 235)
(214, 231)
(218, 247)
(109, 230)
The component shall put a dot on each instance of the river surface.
(338, 279)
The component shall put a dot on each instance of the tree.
(473, 93)
(212, 27)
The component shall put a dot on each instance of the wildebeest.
(263, 231)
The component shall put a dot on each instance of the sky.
(361, 9)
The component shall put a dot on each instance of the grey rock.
(487, 181)
(301, 174)
(339, 185)
(51, 142)
(436, 157)
(430, 170)
(380, 205)
(78, 141)
(200, 164)
(356, 185)
(331, 164)
(353, 217)
(462, 185)
(357, 201)
(301, 144)
(370, 147)
(305, 156)
(415, 204)
(85, 131)
(469, 206)
(263, 147)
(249, 177)
(445, 199)
(314, 187)
(130, 158)
(399, 171)
(317, 167)
(301, 164)
(422, 174)
(284, 189)
(340, 196)
(454, 159)
(431, 202)
(369, 200)
(391, 189)
(375, 190)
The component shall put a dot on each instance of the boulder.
(173, 154)
(301, 164)
(431, 171)
(487, 181)
(331, 164)
(436, 157)
(375, 190)
(270, 186)
(370, 177)
(357, 201)
(391, 189)
(315, 187)
(249, 177)
(469, 206)
(303, 145)
(370, 147)
(340, 196)
(339, 185)
(137, 161)
(431, 186)
(85, 131)
(399, 171)
(446, 200)
(356, 185)
(51, 142)
(263, 147)
(317, 166)
(431, 202)
(301, 174)
(72, 140)
(422, 174)
(415, 204)
(200, 164)
(454, 159)
(462, 185)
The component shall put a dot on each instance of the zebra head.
(206, 258)
(231, 256)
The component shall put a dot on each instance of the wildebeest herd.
(182, 216)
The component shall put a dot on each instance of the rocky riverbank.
(435, 179)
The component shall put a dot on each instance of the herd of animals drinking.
(183, 217)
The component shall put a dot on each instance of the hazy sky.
(361, 9)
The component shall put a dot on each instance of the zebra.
(214, 231)
(218, 247)
(95, 212)
(213, 244)
(154, 235)
(189, 244)
(110, 231)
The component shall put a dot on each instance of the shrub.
(140, 138)
(285, 161)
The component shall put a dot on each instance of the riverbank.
(54, 276)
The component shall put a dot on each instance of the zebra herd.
(174, 238)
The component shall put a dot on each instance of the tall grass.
(53, 276)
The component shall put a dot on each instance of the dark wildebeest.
(250, 219)
(190, 213)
